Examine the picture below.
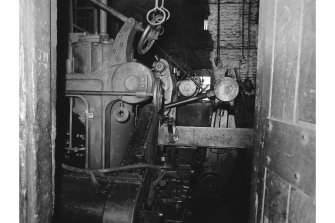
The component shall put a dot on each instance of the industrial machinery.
(130, 154)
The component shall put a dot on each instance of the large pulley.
(226, 89)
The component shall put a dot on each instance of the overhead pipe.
(108, 9)
(70, 8)
(249, 38)
(103, 19)
(115, 13)
(110, 93)
(243, 4)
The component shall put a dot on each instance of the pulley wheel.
(226, 89)
(133, 77)
(187, 88)
(157, 99)
(121, 114)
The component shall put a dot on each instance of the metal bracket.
(170, 132)
(143, 85)
(90, 115)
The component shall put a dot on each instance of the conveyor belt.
(144, 138)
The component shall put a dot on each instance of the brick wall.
(238, 41)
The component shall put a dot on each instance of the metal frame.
(71, 96)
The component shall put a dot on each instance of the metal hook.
(166, 10)
(152, 11)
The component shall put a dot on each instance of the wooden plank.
(209, 137)
(290, 152)
(276, 199)
(288, 24)
(306, 104)
(302, 207)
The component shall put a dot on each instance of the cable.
(153, 184)
(129, 167)
(100, 172)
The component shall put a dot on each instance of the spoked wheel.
(148, 38)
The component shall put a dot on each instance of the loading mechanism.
(138, 138)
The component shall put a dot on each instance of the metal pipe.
(69, 47)
(111, 93)
(249, 27)
(243, 4)
(190, 100)
(70, 6)
(218, 32)
(95, 21)
(81, 29)
(70, 123)
(103, 19)
(109, 10)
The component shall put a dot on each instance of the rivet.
(114, 50)
(117, 58)
(296, 176)
(268, 160)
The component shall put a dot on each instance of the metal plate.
(121, 203)
(302, 207)
(290, 152)
(196, 114)
(276, 199)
